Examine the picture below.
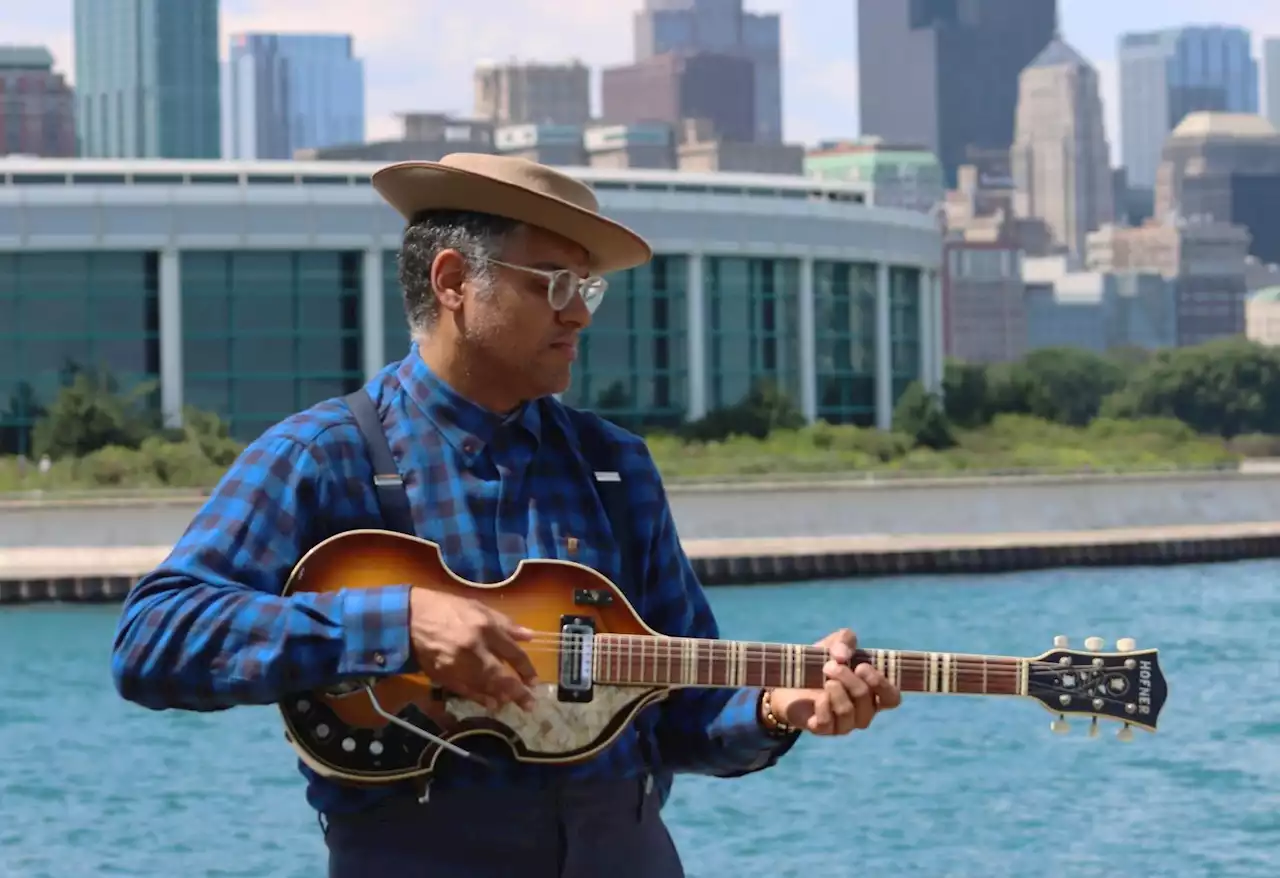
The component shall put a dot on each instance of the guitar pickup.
(577, 642)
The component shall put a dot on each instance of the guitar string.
(663, 647)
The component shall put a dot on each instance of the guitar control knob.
(1125, 734)
(1093, 644)
(1060, 726)
(375, 747)
(1061, 641)
(1125, 644)
(349, 744)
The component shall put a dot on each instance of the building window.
(63, 311)
(395, 325)
(845, 342)
(633, 367)
(267, 333)
(752, 327)
(904, 327)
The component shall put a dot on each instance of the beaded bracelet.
(772, 722)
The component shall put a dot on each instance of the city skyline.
(819, 46)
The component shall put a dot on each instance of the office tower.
(943, 74)
(286, 92)
(720, 27)
(1060, 158)
(1164, 75)
(37, 107)
(1271, 77)
(672, 87)
(147, 81)
(533, 94)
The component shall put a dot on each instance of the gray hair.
(477, 236)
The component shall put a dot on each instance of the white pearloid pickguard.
(555, 726)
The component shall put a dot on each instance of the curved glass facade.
(844, 307)
(633, 365)
(395, 328)
(266, 333)
(904, 327)
(752, 313)
(60, 310)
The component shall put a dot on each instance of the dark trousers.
(611, 828)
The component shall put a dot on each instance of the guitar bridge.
(577, 640)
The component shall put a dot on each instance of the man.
(500, 265)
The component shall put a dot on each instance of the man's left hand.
(850, 698)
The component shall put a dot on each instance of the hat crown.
(526, 174)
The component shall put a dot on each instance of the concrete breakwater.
(845, 508)
(106, 574)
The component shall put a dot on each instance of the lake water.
(90, 785)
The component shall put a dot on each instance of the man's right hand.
(470, 650)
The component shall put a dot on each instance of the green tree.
(91, 413)
(1225, 387)
(965, 394)
(764, 409)
(1068, 385)
(920, 415)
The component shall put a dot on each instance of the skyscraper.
(37, 108)
(147, 78)
(285, 92)
(1060, 158)
(1164, 75)
(720, 27)
(944, 73)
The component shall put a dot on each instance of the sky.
(419, 54)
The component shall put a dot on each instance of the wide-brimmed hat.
(518, 189)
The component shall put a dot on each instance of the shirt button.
(379, 659)
(470, 445)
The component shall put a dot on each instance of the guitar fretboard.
(644, 660)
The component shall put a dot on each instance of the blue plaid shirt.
(208, 629)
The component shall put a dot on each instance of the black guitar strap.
(393, 500)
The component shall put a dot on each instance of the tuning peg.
(1061, 641)
(1125, 734)
(1060, 726)
(1093, 728)
(1125, 644)
(1093, 644)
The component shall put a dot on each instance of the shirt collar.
(468, 427)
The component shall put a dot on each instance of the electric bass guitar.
(599, 664)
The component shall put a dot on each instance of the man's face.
(513, 332)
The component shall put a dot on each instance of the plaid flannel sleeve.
(209, 629)
(701, 731)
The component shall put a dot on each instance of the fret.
(687, 661)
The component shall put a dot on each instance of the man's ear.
(448, 271)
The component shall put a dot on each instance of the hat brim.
(413, 187)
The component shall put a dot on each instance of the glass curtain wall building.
(253, 290)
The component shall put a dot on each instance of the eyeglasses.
(563, 284)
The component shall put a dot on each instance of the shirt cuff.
(744, 733)
(375, 631)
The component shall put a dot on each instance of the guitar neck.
(643, 660)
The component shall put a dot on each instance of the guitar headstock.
(1125, 685)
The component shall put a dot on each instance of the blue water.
(90, 785)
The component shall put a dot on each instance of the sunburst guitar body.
(598, 664)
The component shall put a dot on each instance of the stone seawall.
(950, 506)
(106, 575)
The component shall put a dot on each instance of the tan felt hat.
(518, 189)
